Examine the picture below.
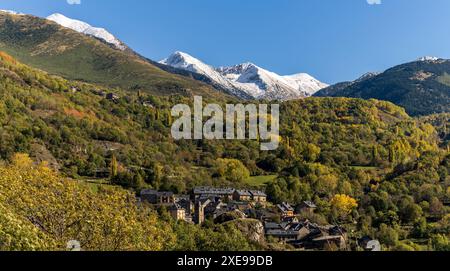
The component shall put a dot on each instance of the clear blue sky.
(333, 40)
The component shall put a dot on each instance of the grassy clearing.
(94, 184)
(444, 79)
(259, 181)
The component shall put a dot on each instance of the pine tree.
(113, 167)
(391, 155)
(374, 155)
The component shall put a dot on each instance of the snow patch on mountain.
(367, 75)
(87, 29)
(11, 12)
(249, 79)
(305, 82)
(261, 83)
(186, 62)
(428, 58)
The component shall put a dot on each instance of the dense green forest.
(421, 87)
(441, 123)
(396, 168)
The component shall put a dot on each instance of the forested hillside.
(441, 123)
(46, 45)
(43, 211)
(337, 152)
(421, 87)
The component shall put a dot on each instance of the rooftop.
(147, 192)
(176, 206)
(272, 226)
(285, 207)
(204, 201)
(282, 233)
(257, 193)
(310, 204)
(243, 192)
(213, 191)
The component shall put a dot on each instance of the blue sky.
(333, 40)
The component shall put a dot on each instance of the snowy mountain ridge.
(246, 80)
(249, 79)
(428, 58)
(11, 12)
(87, 29)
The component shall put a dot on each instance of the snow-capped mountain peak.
(249, 79)
(87, 29)
(256, 81)
(187, 62)
(305, 82)
(11, 12)
(428, 58)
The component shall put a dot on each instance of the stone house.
(156, 197)
(258, 197)
(242, 195)
(199, 213)
(306, 207)
(177, 212)
(286, 210)
(226, 194)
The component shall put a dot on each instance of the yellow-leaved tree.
(232, 170)
(343, 205)
(44, 211)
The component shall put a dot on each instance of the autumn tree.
(43, 206)
(343, 205)
(114, 167)
(232, 170)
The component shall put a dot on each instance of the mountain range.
(55, 49)
(370, 168)
(248, 79)
(245, 80)
(422, 87)
(90, 56)
(78, 51)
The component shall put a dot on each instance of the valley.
(85, 128)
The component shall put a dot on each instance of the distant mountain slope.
(422, 87)
(84, 28)
(62, 51)
(248, 79)
(336, 88)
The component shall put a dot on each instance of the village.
(280, 222)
